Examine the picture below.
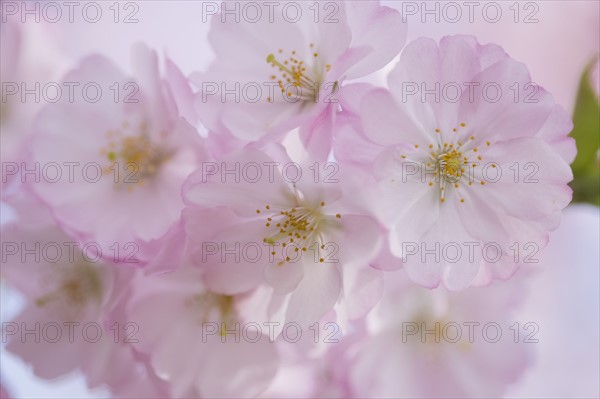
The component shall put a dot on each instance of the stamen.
(77, 286)
(448, 162)
(306, 77)
(300, 227)
(136, 150)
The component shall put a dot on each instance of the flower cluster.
(276, 225)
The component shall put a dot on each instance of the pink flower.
(293, 67)
(471, 156)
(302, 230)
(122, 160)
(69, 321)
(304, 370)
(201, 343)
(435, 343)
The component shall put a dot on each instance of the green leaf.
(586, 132)
(586, 188)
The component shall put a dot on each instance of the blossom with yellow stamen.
(469, 172)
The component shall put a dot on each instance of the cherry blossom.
(121, 160)
(304, 239)
(70, 319)
(294, 68)
(436, 343)
(202, 344)
(461, 168)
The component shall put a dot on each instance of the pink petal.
(246, 181)
(317, 293)
(386, 124)
(379, 28)
(285, 277)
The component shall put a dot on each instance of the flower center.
(135, 158)
(451, 163)
(433, 331)
(296, 78)
(299, 228)
(76, 287)
(213, 308)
